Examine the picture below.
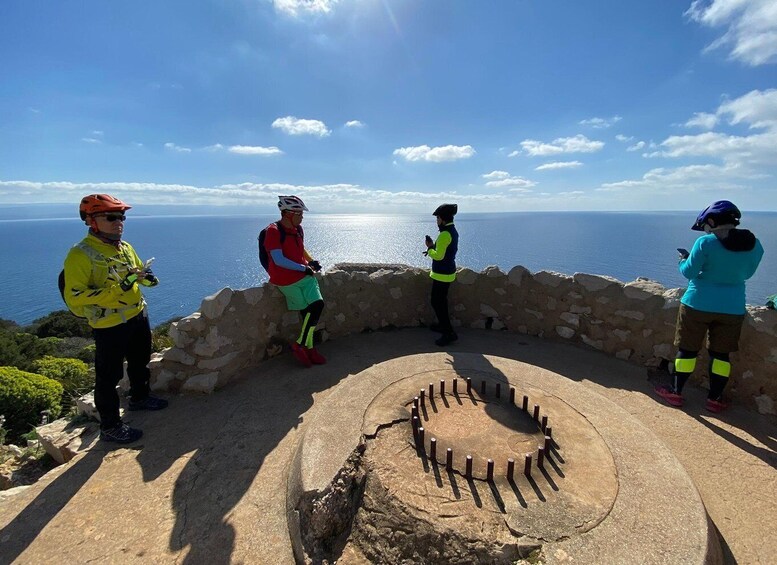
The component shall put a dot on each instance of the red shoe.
(315, 357)
(671, 398)
(715, 406)
(300, 354)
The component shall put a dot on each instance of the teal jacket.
(717, 270)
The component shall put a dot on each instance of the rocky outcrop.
(632, 321)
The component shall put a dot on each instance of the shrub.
(87, 354)
(61, 323)
(19, 349)
(71, 347)
(72, 374)
(23, 396)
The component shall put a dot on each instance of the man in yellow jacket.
(103, 275)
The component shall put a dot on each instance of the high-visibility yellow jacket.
(93, 273)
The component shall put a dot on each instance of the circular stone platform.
(366, 487)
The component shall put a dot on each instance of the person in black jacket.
(443, 273)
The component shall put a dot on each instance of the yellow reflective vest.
(92, 282)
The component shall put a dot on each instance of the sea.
(198, 254)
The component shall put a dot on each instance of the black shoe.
(148, 403)
(446, 339)
(436, 328)
(120, 433)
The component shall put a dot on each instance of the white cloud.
(137, 144)
(637, 146)
(600, 123)
(254, 150)
(559, 165)
(354, 124)
(435, 154)
(295, 7)
(576, 144)
(514, 184)
(319, 198)
(751, 27)
(173, 147)
(702, 120)
(756, 108)
(688, 178)
(515, 153)
(91, 140)
(750, 149)
(496, 175)
(34, 110)
(214, 147)
(623, 138)
(297, 126)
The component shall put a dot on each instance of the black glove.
(315, 265)
(429, 241)
(150, 277)
(128, 282)
(309, 271)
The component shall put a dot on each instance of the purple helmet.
(722, 211)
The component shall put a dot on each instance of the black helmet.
(446, 211)
(722, 212)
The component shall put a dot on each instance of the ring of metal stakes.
(542, 424)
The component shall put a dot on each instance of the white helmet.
(291, 204)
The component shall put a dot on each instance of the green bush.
(20, 349)
(61, 323)
(160, 338)
(87, 354)
(23, 396)
(72, 374)
(71, 347)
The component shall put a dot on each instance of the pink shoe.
(671, 398)
(315, 357)
(300, 354)
(715, 406)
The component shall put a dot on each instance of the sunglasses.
(115, 217)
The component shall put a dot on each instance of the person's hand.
(309, 271)
(315, 265)
(128, 282)
(147, 275)
(429, 242)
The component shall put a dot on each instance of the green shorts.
(302, 293)
(693, 326)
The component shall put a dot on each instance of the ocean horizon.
(200, 250)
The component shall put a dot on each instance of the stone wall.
(631, 321)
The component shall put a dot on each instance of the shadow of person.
(19, 533)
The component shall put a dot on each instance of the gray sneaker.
(120, 433)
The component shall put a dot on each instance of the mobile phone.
(683, 252)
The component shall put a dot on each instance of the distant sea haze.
(198, 255)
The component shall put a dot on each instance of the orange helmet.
(97, 203)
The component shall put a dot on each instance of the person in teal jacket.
(713, 306)
(443, 273)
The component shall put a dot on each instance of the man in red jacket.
(291, 269)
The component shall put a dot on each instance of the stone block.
(396, 293)
(213, 306)
(571, 319)
(623, 354)
(253, 295)
(565, 332)
(162, 380)
(493, 271)
(62, 440)
(594, 283)
(595, 343)
(621, 334)
(574, 308)
(765, 404)
(218, 362)
(85, 405)
(177, 355)
(551, 278)
(204, 383)
(663, 350)
(466, 276)
(488, 311)
(642, 289)
(538, 315)
(516, 275)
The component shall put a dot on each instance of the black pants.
(131, 341)
(440, 305)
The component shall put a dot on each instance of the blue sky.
(391, 105)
